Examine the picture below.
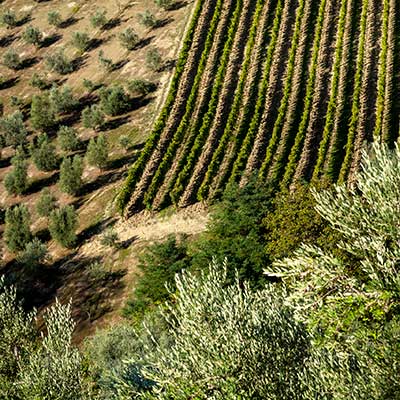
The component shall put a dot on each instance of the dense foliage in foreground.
(323, 324)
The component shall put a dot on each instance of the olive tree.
(71, 170)
(62, 225)
(17, 232)
(32, 35)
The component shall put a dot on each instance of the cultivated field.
(291, 89)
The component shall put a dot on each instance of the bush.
(71, 175)
(68, 139)
(97, 152)
(54, 18)
(159, 263)
(105, 63)
(46, 203)
(9, 19)
(13, 129)
(125, 142)
(147, 19)
(12, 60)
(17, 233)
(165, 4)
(81, 41)
(129, 39)
(110, 239)
(32, 35)
(114, 100)
(39, 82)
(93, 117)
(16, 181)
(62, 99)
(16, 101)
(34, 254)
(153, 59)
(62, 225)
(44, 154)
(42, 113)
(89, 85)
(141, 87)
(99, 19)
(58, 62)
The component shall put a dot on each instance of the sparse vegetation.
(39, 82)
(105, 63)
(54, 18)
(129, 39)
(9, 18)
(99, 19)
(147, 19)
(59, 62)
(153, 59)
(81, 41)
(12, 60)
(32, 35)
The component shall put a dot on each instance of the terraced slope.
(291, 89)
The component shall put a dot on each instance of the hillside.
(64, 273)
(289, 88)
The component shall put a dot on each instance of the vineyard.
(289, 89)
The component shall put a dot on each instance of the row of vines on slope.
(288, 88)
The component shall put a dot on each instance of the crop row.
(245, 89)
(135, 171)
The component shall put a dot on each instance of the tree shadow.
(122, 161)
(97, 42)
(5, 41)
(68, 22)
(126, 243)
(168, 65)
(100, 181)
(119, 64)
(177, 5)
(50, 40)
(115, 123)
(112, 23)
(163, 22)
(43, 235)
(9, 83)
(28, 62)
(40, 184)
(144, 42)
(24, 20)
(79, 62)
(94, 229)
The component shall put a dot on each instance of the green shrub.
(141, 87)
(54, 18)
(97, 152)
(153, 59)
(46, 203)
(32, 35)
(58, 62)
(39, 82)
(125, 142)
(16, 102)
(99, 19)
(9, 19)
(71, 170)
(13, 129)
(93, 117)
(113, 100)
(129, 39)
(42, 113)
(159, 263)
(16, 181)
(81, 41)
(44, 154)
(12, 60)
(89, 85)
(68, 139)
(34, 254)
(165, 4)
(62, 225)
(110, 239)
(62, 99)
(17, 233)
(147, 19)
(105, 63)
